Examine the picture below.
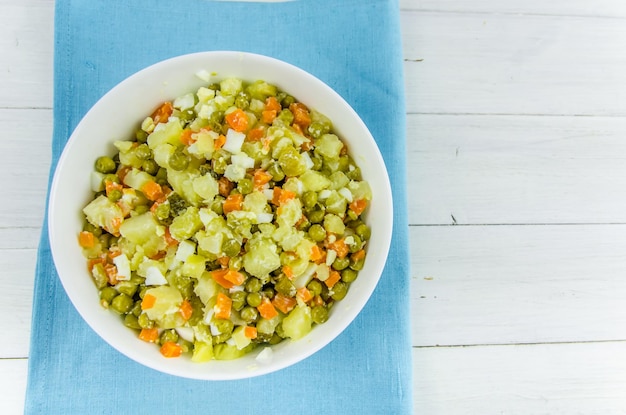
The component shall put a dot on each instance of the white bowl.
(116, 115)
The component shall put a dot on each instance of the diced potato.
(298, 323)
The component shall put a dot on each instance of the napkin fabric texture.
(352, 45)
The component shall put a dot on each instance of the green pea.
(340, 289)
(162, 211)
(105, 240)
(217, 205)
(219, 165)
(130, 320)
(316, 216)
(309, 199)
(349, 275)
(221, 338)
(315, 286)
(242, 100)
(254, 285)
(95, 230)
(161, 174)
(239, 300)
(285, 287)
(113, 178)
(364, 232)
(318, 129)
(143, 152)
(127, 287)
(254, 299)
(344, 163)
(317, 232)
(354, 174)
(341, 263)
(223, 325)
(275, 339)
(105, 165)
(185, 345)
(178, 161)
(150, 166)
(141, 136)
(287, 101)
(231, 247)
(317, 163)
(115, 195)
(141, 209)
(268, 292)
(276, 172)
(285, 116)
(357, 245)
(215, 120)
(245, 186)
(168, 336)
(249, 314)
(357, 265)
(215, 86)
(144, 321)
(319, 314)
(122, 303)
(107, 294)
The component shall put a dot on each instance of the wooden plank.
(517, 284)
(16, 280)
(513, 64)
(26, 61)
(587, 378)
(13, 376)
(599, 8)
(515, 169)
(25, 159)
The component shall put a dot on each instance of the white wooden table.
(517, 192)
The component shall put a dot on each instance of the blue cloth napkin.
(355, 47)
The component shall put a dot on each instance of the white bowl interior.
(116, 115)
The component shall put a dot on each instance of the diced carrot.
(256, 134)
(123, 171)
(222, 306)
(111, 271)
(288, 271)
(223, 261)
(86, 239)
(260, 179)
(219, 277)
(159, 255)
(250, 332)
(162, 114)
(358, 255)
(317, 254)
(148, 301)
(171, 349)
(276, 195)
(268, 116)
(266, 309)
(340, 247)
(93, 261)
(115, 226)
(152, 190)
(297, 128)
(358, 206)
(219, 141)
(284, 303)
(232, 202)
(285, 196)
(237, 278)
(186, 310)
(169, 240)
(149, 335)
(237, 120)
(332, 279)
(301, 116)
(304, 294)
(317, 300)
(186, 138)
(110, 185)
(224, 186)
(306, 145)
(271, 103)
(114, 251)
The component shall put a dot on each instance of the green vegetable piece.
(105, 165)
